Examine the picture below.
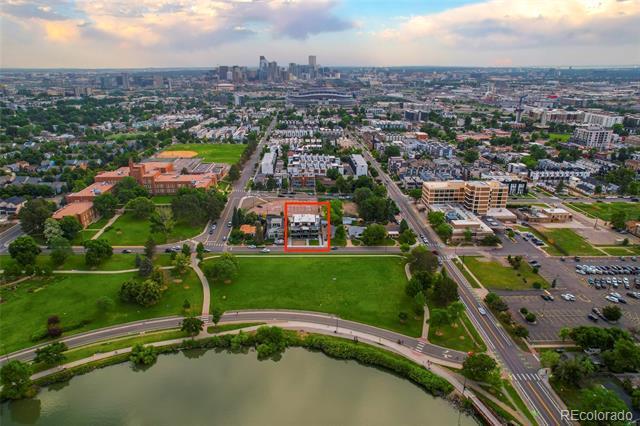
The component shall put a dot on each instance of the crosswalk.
(526, 377)
(420, 346)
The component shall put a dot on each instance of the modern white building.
(602, 118)
(268, 163)
(593, 137)
(359, 165)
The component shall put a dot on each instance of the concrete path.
(206, 293)
(109, 223)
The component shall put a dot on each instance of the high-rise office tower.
(312, 61)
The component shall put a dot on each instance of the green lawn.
(162, 199)
(117, 262)
(214, 152)
(467, 275)
(622, 250)
(562, 137)
(84, 235)
(567, 242)
(455, 336)
(605, 210)
(494, 275)
(364, 289)
(73, 297)
(129, 231)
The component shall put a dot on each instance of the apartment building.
(476, 196)
(83, 211)
(593, 137)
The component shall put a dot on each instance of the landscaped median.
(500, 275)
(367, 289)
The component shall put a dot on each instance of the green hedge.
(279, 339)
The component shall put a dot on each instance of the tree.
(419, 301)
(455, 310)
(416, 194)
(612, 313)
(15, 377)
(234, 173)
(601, 400)
(105, 204)
(141, 207)
(97, 251)
(24, 250)
(407, 237)
(565, 333)
(413, 287)
(143, 355)
(200, 250)
(444, 231)
(625, 356)
(128, 188)
(374, 235)
(619, 219)
(70, 227)
(572, 371)
(422, 259)
(224, 269)
(33, 215)
(186, 249)
(436, 218)
(150, 247)
(60, 250)
(105, 303)
(216, 315)
(549, 359)
(145, 268)
(192, 325)
(51, 354)
(403, 225)
(479, 367)
(52, 230)
(162, 221)
(438, 317)
(468, 235)
(181, 263)
(146, 293)
(445, 290)
(403, 317)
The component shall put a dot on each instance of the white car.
(568, 297)
(265, 250)
(482, 310)
(615, 294)
(611, 299)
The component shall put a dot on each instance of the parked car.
(592, 317)
(482, 310)
(611, 299)
(265, 250)
(547, 297)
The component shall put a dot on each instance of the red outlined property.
(300, 225)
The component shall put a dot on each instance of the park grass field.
(213, 152)
(567, 242)
(363, 289)
(605, 210)
(129, 231)
(495, 276)
(73, 297)
(117, 262)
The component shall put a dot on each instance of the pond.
(200, 387)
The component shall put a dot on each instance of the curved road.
(137, 327)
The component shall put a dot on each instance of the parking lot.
(559, 313)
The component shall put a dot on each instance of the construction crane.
(519, 109)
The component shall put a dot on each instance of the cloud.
(500, 24)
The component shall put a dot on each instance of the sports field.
(213, 152)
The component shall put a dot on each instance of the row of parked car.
(535, 240)
(615, 282)
(607, 269)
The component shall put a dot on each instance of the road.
(135, 328)
(522, 366)
(8, 236)
(237, 192)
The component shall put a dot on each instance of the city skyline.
(172, 34)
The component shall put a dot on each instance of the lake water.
(209, 388)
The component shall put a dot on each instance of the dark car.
(168, 250)
(127, 251)
(547, 297)
(592, 317)
(334, 248)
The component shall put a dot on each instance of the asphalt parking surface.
(554, 315)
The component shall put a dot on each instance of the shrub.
(530, 317)
(524, 311)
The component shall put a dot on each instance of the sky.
(207, 33)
